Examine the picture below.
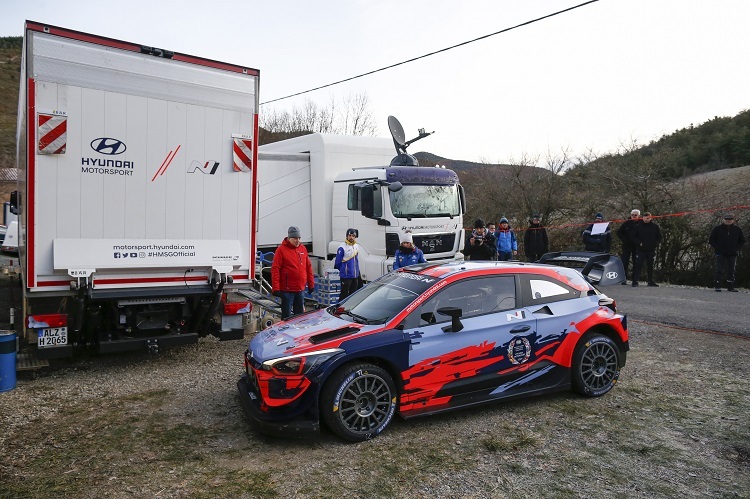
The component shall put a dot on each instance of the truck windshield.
(425, 201)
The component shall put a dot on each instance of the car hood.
(314, 331)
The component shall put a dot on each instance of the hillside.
(10, 69)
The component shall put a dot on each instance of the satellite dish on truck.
(399, 140)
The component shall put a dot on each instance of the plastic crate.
(326, 285)
(326, 298)
(332, 275)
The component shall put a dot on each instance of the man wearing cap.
(624, 233)
(600, 242)
(347, 263)
(726, 240)
(407, 254)
(290, 271)
(535, 241)
(480, 244)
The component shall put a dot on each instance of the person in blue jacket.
(347, 263)
(407, 254)
(507, 246)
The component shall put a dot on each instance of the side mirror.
(455, 313)
(368, 201)
(14, 202)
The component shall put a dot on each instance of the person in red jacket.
(290, 271)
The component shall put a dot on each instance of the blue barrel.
(7, 360)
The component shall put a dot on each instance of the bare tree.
(353, 117)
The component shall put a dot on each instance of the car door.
(450, 368)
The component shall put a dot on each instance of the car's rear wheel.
(596, 365)
(358, 401)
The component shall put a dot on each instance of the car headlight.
(300, 364)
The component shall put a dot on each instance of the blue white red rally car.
(436, 337)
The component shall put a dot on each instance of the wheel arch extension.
(381, 362)
(609, 332)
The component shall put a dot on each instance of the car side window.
(474, 297)
(541, 289)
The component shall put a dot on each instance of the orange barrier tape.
(655, 217)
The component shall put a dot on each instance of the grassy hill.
(10, 69)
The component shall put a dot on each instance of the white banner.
(145, 253)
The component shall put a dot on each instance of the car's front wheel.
(596, 365)
(358, 401)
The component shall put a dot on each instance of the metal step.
(28, 361)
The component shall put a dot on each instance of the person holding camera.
(481, 245)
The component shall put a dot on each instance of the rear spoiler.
(602, 269)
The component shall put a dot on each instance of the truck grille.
(438, 243)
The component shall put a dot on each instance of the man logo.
(110, 147)
(611, 275)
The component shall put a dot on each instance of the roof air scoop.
(399, 140)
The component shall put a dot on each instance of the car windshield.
(384, 298)
(425, 201)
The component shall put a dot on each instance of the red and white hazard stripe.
(52, 133)
(242, 152)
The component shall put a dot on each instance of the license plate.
(52, 337)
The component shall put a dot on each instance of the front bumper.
(272, 424)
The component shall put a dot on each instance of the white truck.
(137, 191)
(325, 184)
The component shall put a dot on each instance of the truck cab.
(385, 202)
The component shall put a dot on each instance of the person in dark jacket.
(407, 254)
(600, 242)
(347, 263)
(726, 240)
(624, 233)
(646, 236)
(535, 241)
(481, 245)
(290, 271)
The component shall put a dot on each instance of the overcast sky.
(606, 73)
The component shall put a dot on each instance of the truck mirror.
(395, 186)
(462, 197)
(368, 201)
(14, 202)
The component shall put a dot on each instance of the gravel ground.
(170, 425)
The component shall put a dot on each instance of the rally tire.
(358, 401)
(596, 365)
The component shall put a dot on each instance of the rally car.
(436, 337)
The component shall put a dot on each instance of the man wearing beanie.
(407, 254)
(347, 263)
(290, 271)
(726, 239)
(507, 246)
(646, 237)
(480, 244)
(535, 240)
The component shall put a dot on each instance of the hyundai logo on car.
(108, 146)
(611, 275)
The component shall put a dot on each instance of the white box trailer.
(325, 183)
(137, 179)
